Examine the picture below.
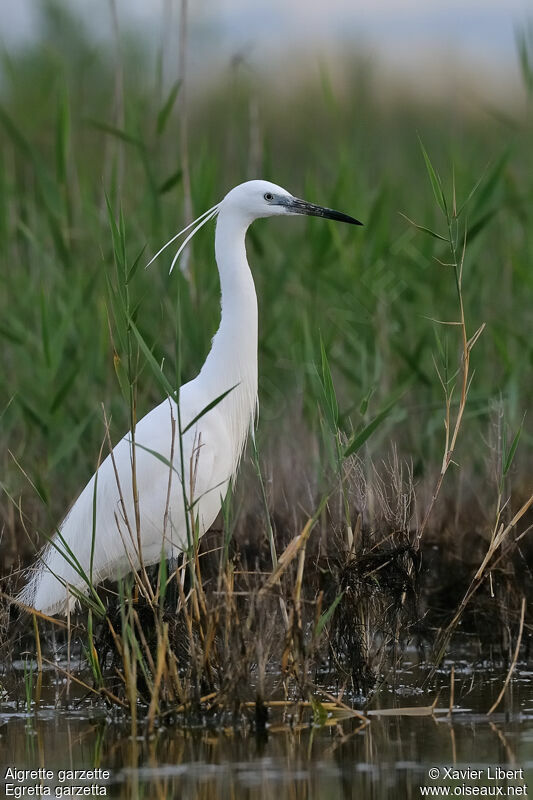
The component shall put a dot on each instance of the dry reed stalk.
(202, 700)
(166, 29)
(144, 643)
(511, 757)
(39, 661)
(298, 585)
(131, 686)
(405, 711)
(453, 742)
(452, 690)
(162, 646)
(13, 601)
(199, 595)
(497, 539)
(118, 114)
(288, 555)
(170, 473)
(141, 577)
(467, 345)
(188, 621)
(339, 704)
(115, 636)
(179, 691)
(99, 692)
(184, 135)
(515, 659)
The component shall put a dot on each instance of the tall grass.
(366, 348)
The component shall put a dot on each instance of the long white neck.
(232, 360)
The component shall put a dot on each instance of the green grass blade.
(512, 450)
(327, 615)
(423, 229)
(435, 181)
(170, 182)
(62, 138)
(116, 132)
(328, 389)
(164, 113)
(208, 408)
(158, 373)
(360, 438)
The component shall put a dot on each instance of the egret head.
(255, 199)
(252, 200)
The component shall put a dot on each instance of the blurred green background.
(82, 116)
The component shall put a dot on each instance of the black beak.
(297, 206)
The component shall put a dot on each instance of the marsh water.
(404, 748)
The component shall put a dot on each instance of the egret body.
(100, 533)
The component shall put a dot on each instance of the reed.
(374, 508)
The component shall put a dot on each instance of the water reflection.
(390, 757)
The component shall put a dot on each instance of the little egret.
(103, 532)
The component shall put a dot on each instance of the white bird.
(100, 536)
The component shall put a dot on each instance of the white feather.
(215, 442)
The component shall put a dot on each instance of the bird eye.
(269, 196)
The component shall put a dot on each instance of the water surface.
(293, 758)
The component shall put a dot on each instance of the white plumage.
(212, 447)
